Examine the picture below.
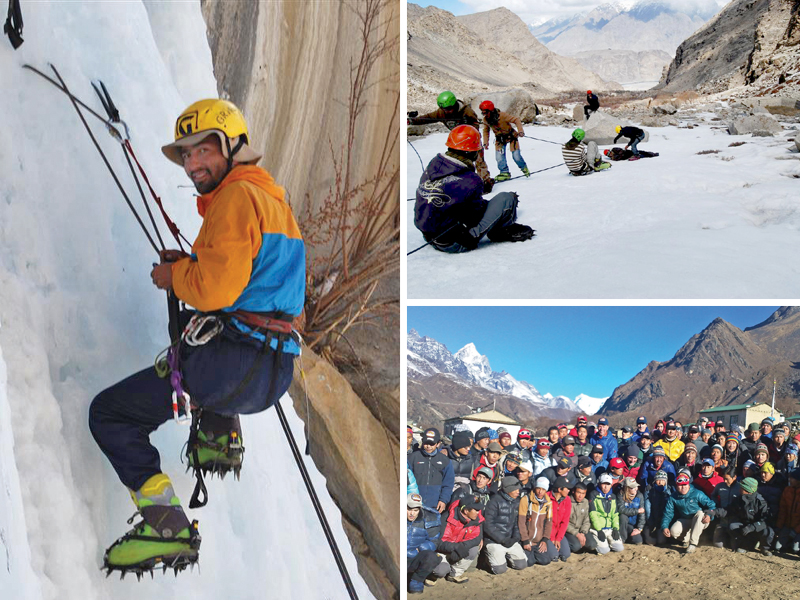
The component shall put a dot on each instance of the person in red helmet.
(592, 104)
(504, 134)
(450, 210)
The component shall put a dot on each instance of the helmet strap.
(234, 150)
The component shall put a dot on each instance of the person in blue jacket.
(450, 210)
(420, 547)
(641, 428)
(655, 501)
(433, 472)
(605, 439)
(687, 513)
(657, 461)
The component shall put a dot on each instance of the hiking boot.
(504, 176)
(218, 445)
(457, 579)
(164, 537)
(602, 166)
(691, 549)
(431, 581)
(415, 587)
(766, 552)
(526, 172)
(741, 551)
(516, 232)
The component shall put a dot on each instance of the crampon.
(217, 447)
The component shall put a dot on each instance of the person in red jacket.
(562, 510)
(632, 464)
(708, 479)
(462, 539)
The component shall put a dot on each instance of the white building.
(490, 418)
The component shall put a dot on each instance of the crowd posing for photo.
(585, 489)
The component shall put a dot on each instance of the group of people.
(589, 489)
(450, 210)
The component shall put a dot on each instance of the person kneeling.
(604, 516)
(450, 210)
(536, 524)
(502, 529)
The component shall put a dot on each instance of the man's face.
(543, 450)
(603, 429)
(553, 435)
(706, 436)
(492, 457)
(523, 476)
(204, 164)
(471, 513)
(683, 488)
(597, 456)
(716, 454)
(582, 434)
(514, 493)
(568, 448)
(766, 476)
(579, 494)
(481, 480)
(778, 436)
(409, 439)
(645, 442)
(605, 487)
(429, 447)
(511, 464)
(661, 482)
(765, 428)
(412, 513)
(691, 456)
(525, 443)
(483, 443)
(563, 432)
(631, 460)
(616, 471)
(658, 461)
(671, 434)
(641, 426)
(708, 470)
(729, 479)
(693, 435)
(463, 451)
(626, 435)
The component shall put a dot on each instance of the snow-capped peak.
(477, 364)
(589, 405)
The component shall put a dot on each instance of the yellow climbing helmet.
(212, 116)
(618, 128)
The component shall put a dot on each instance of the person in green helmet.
(453, 112)
(582, 158)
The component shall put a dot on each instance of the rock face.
(719, 366)
(288, 66)
(446, 53)
(634, 70)
(360, 460)
(516, 102)
(752, 43)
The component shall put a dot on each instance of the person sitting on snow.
(582, 158)
(634, 134)
(450, 210)
(454, 112)
(504, 133)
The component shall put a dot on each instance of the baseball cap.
(646, 434)
(617, 463)
(598, 448)
(561, 482)
(431, 436)
(563, 463)
(526, 465)
(630, 482)
(562, 426)
(605, 478)
(581, 419)
(694, 429)
(720, 423)
(568, 440)
(671, 425)
(641, 420)
(485, 471)
(627, 429)
(584, 461)
(471, 502)
(708, 461)
(602, 421)
(494, 447)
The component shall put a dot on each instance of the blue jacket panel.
(449, 192)
(647, 472)
(684, 506)
(417, 535)
(434, 475)
(609, 444)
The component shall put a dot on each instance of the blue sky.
(574, 350)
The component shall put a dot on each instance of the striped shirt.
(576, 158)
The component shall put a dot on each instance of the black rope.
(421, 164)
(540, 140)
(105, 160)
(433, 240)
(298, 457)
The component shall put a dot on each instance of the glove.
(748, 529)
(734, 526)
(615, 534)
(488, 185)
(412, 113)
(721, 512)
(601, 536)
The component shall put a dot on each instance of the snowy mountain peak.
(589, 405)
(477, 364)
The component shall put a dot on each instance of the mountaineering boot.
(526, 172)
(516, 232)
(164, 537)
(502, 176)
(602, 166)
(218, 445)
(415, 587)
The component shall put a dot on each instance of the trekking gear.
(579, 134)
(618, 128)
(488, 184)
(692, 548)
(487, 105)
(465, 138)
(526, 172)
(13, 26)
(602, 166)
(164, 537)
(216, 449)
(588, 92)
(516, 232)
(212, 116)
(431, 581)
(416, 587)
(457, 579)
(504, 176)
(446, 99)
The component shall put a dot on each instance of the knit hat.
(632, 451)
(526, 465)
(748, 464)
(561, 482)
(661, 475)
(690, 446)
(543, 443)
(414, 501)
(768, 467)
(682, 479)
(791, 448)
(761, 448)
(494, 447)
(524, 434)
(542, 482)
(501, 430)
(708, 431)
(510, 484)
(493, 434)
(505, 435)
(481, 434)
(749, 485)
(659, 451)
(460, 440)
(721, 449)
(732, 437)
(778, 431)
(752, 427)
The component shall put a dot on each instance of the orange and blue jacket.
(249, 254)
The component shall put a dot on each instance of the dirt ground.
(638, 573)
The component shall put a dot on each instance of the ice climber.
(450, 210)
(504, 134)
(246, 279)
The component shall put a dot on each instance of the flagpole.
(772, 414)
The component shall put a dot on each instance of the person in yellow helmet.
(245, 277)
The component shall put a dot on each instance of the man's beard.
(210, 184)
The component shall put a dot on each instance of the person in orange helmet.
(450, 210)
(592, 104)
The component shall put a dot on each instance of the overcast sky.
(531, 11)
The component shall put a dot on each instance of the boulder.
(600, 128)
(664, 109)
(761, 124)
(577, 113)
(773, 105)
(515, 101)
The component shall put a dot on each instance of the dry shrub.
(734, 144)
(708, 152)
(355, 231)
